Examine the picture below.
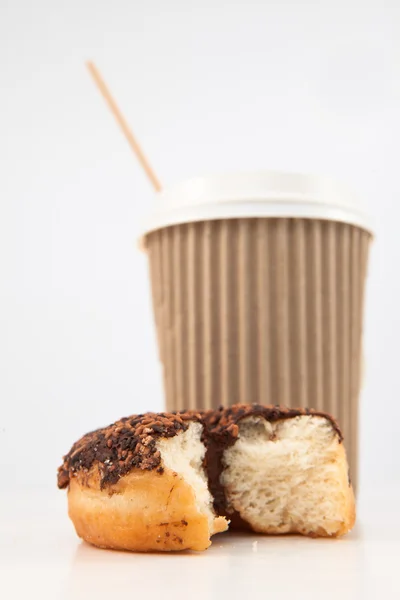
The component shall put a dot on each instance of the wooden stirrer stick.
(123, 124)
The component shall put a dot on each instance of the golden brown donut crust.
(144, 511)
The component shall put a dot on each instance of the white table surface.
(41, 557)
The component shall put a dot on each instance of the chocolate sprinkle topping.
(131, 443)
(127, 444)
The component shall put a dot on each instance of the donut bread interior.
(289, 476)
(184, 455)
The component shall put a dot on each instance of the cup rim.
(262, 194)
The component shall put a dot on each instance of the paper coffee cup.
(258, 291)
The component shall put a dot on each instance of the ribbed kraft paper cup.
(259, 308)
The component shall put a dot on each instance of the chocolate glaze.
(127, 444)
(131, 443)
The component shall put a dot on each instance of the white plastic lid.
(260, 194)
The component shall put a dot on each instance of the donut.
(140, 484)
(169, 481)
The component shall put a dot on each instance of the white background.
(207, 86)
